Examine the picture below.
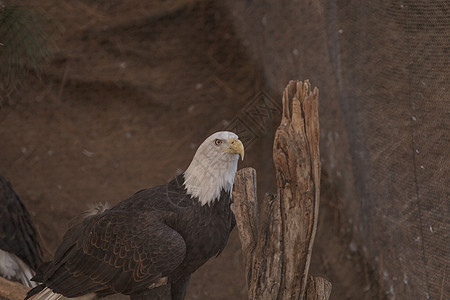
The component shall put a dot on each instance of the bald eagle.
(153, 241)
(20, 252)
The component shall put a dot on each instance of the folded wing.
(121, 252)
(18, 236)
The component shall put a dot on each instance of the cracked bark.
(277, 244)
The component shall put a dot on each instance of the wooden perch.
(277, 245)
(10, 290)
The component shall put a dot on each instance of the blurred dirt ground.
(132, 89)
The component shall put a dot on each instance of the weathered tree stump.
(277, 244)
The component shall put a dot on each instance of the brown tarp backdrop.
(133, 87)
(383, 69)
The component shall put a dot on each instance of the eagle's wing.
(17, 233)
(121, 251)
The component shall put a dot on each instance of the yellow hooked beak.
(237, 147)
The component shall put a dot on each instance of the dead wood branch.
(277, 245)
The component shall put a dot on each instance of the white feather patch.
(96, 209)
(12, 267)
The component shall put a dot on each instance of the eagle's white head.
(213, 167)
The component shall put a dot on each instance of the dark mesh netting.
(383, 71)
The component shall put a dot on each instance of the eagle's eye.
(218, 142)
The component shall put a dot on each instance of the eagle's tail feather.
(13, 267)
(25, 273)
(41, 292)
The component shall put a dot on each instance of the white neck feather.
(207, 183)
(207, 176)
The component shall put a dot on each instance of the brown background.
(135, 86)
